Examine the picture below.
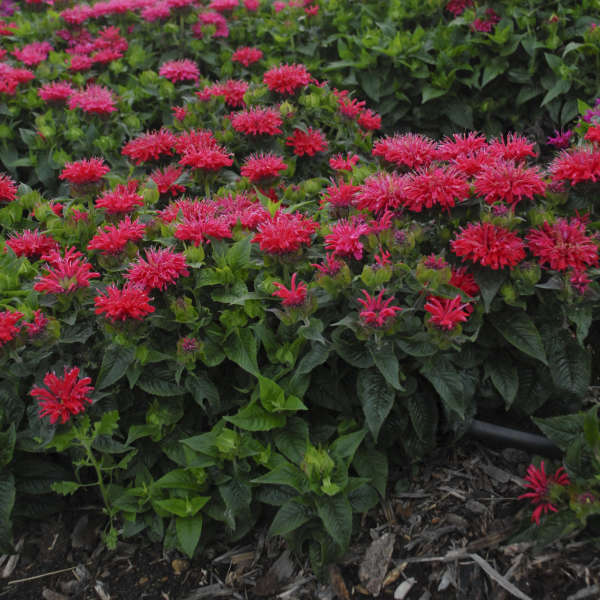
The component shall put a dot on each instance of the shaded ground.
(442, 533)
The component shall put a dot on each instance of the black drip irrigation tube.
(513, 438)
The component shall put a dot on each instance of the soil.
(443, 532)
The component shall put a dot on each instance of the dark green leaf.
(115, 362)
(489, 282)
(564, 430)
(290, 517)
(189, 530)
(159, 387)
(447, 382)
(241, 347)
(505, 377)
(373, 464)
(519, 330)
(387, 363)
(570, 364)
(292, 441)
(256, 418)
(376, 398)
(336, 514)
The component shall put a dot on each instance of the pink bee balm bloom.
(286, 79)
(505, 181)
(409, 150)
(247, 55)
(307, 142)
(257, 121)
(180, 70)
(539, 483)
(65, 274)
(150, 146)
(285, 233)
(95, 99)
(37, 326)
(123, 199)
(437, 186)
(377, 312)
(295, 296)
(165, 180)
(489, 245)
(162, 267)
(344, 239)
(8, 325)
(258, 167)
(576, 165)
(339, 163)
(513, 147)
(446, 313)
(8, 188)
(561, 139)
(369, 120)
(84, 171)
(112, 239)
(131, 302)
(64, 396)
(31, 243)
(55, 91)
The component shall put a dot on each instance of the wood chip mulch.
(443, 532)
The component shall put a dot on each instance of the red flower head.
(381, 192)
(257, 121)
(340, 194)
(179, 70)
(285, 233)
(564, 245)
(377, 312)
(223, 5)
(458, 7)
(162, 267)
(460, 145)
(84, 171)
(208, 19)
(409, 150)
(123, 199)
(80, 62)
(576, 166)
(8, 325)
(593, 134)
(150, 146)
(247, 55)
(258, 167)
(113, 238)
(95, 99)
(369, 120)
(208, 157)
(286, 79)
(64, 397)
(131, 302)
(446, 313)
(339, 163)
(31, 243)
(232, 90)
(463, 280)
(55, 91)
(349, 107)
(508, 182)
(307, 142)
(179, 112)
(8, 188)
(489, 245)
(34, 53)
(561, 139)
(37, 327)
(539, 483)
(165, 180)
(514, 147)
(330, 266)
(65, 274)
(344, 238)
(295, 296)
(435, 186)
(199, 228)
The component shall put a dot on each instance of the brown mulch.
(443, 532)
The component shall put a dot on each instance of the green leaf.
(489, 282)
(107, 424)
(336, 514)
(491, 71)
(188, 530)
(423, 413)
(159, 387)
(418, 345)
(376, 398)
(373, 464)
(183, 507)
(292, 441)
(447, 382)
(581, 317)
(316, 356)
(387, 363)
(202, 388)
(255, 418)
(241, 347)
(363, 498)
(115, 362)
(238, 255)
(181, 479)
(285, 474)
(272, 396)
(292, 515)
(561, 86)
(460, 113)
(429, 93)
(505, 377)
(519, 330)
(7, 502)
(564, 430)
(351, 350)
(66, 488)
(7, 445)
(237, 496)
(346, 445)
(570, 364)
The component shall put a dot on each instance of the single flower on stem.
(540, 485)
(295, 296)
(377, 312)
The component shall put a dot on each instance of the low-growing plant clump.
(231, 299)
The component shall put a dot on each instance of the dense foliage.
(225, 297)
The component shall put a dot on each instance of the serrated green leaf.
(66, 488)
(159, 387)
(489, 282)
(237, 496)
(7, 445)
(183, 507)
(107, 424)
(418, 345)
(505, 377)
(376, 398)
(241, 347)
(423, 413)
(446, 380)
(563, 430)
(292, 441)
(387, 363)
(115, 362)
(373, 464)
(256, 418)
(518, 329)
(336, 514)
(352, 350)
(346, 445)
(285, 474)
(188, 530)
(290, 517)
(7, 502)
(570, 364)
